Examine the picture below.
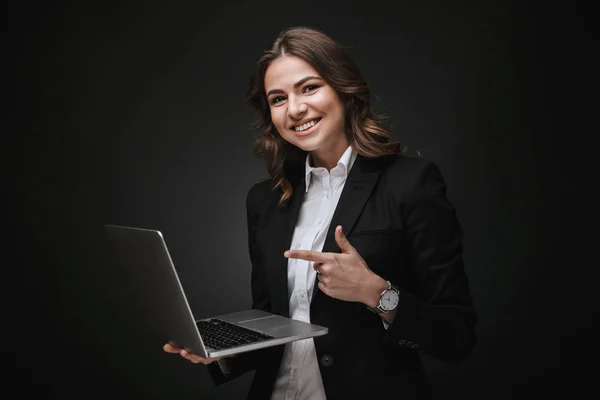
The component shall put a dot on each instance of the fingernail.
(286, 254)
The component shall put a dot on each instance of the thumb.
(342, 241)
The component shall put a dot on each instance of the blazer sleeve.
(438, 317)
(229, 368)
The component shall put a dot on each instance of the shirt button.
(326, 360)
(302, 294)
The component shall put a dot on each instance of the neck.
(328, 158)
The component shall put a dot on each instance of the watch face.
(389, 300)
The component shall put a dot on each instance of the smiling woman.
(305, 75)
(347, 233)
(306, 110)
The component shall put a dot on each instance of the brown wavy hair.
(363, 128)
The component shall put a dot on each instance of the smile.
(306, 127)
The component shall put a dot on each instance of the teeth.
(305, 126)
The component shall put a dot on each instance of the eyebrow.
(296, 85)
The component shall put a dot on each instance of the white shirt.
(299, 377)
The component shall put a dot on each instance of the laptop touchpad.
(267, 323)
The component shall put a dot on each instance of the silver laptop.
(162, 308)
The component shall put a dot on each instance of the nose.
(296, 108)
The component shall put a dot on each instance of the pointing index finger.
(308, 255)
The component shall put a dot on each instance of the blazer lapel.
(283, 231)
(358, 187)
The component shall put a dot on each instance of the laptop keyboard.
(219, 334)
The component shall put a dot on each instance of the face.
(305, 110)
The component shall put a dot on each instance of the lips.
(309, 129)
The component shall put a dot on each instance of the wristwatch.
(388, 300)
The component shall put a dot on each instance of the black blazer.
(395, 212)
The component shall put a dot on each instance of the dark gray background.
(132, 113)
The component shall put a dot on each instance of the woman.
(347, 233)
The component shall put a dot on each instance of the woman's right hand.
(187, 355)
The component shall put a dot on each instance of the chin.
(309, 144)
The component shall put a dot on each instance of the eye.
(309, 88)
(277, 99)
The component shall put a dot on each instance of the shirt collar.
(345, 163)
